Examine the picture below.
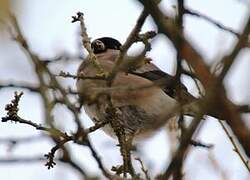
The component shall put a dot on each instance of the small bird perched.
(141, 107)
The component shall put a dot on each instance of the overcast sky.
(47, 27)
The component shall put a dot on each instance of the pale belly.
(139, 118)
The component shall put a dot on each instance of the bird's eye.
(98, 46)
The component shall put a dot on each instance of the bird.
(140, 111)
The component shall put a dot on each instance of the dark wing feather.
(171, 88)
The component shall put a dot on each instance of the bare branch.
(143, 169)
(86, 40)
(200, 144)
(130, 40)
(209, 82)
(100, 164)
(22, 85)
(229, 59)
(217, 24)
(22, 160)
(95, 127)
(80, 76)
(17, 140)
(64, 57)
(29, 160)
(236, 149)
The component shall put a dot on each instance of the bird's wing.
(148, 71)
(171, 87)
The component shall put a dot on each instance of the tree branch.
(217, 24)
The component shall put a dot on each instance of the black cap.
(108, 42)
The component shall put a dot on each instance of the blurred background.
(48, 29)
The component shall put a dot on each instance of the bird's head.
(101, 45)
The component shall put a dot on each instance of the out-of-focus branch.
(60, 137)
(12, 110)
(21, 85)
(100, 164)
(12, 115)
(243, 108)
(41, 69)
(177, 173)
(223, 174)
(170, 29)
(29, 160)
(12, 142)
(22, 160)
(18, 119)
(184, 143)
(64, 57)
(217, 24)
(77, 167)
(229, 59)
(209, 82)
(95, 127)
(200, 144)
(18, 140)
(130, 40)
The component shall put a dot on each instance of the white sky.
(46, 24)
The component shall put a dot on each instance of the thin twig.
(96, 126)
(143, 169)
(195, 81)
(130, 40)
(236, 149)
(17, 140)
(52, 131)
(86, 40)
(99, 162)
(80, 76)
(64, 57)
(209, 81)
(29, 160)
(22, 85)
(22, 160)
(217, 167)
(200, 144)
(217, 24)
(182, 148)
(41, 69)
(229, 59)
(45, 77)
